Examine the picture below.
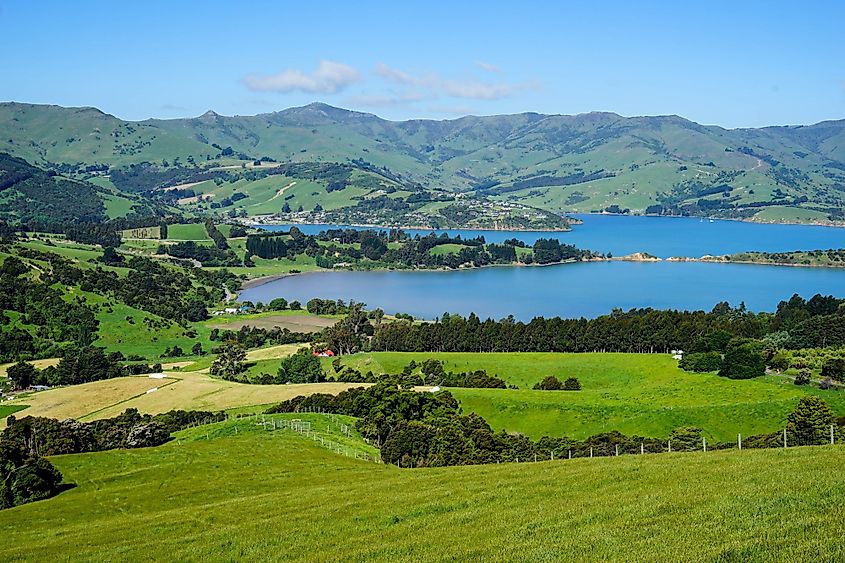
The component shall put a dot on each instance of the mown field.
(637, 394)
(189, 390)
(278, 496)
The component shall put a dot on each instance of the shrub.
(834, 368)
(572, 384)
(550, 383)
(803, 377)
(701, 361)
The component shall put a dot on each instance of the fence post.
(739, 440)
(617, 449)
(784, 437)
(670, 446)
(553, 455)
(642, 448)
(831, 434)
(591, 451)
(570, 454)
(704, 441)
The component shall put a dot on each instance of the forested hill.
(32, 195)
(561, 163)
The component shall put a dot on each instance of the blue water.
(593, 288)
(665, 236)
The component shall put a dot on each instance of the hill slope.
(279, 496)
(560, 163)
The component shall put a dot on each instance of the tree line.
(415, 429)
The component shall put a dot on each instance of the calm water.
(592, 289)
(666, 236)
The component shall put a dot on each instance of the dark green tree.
(230, 362)
(301, 367)
(743, 359)
(810, 422)
(22, 374)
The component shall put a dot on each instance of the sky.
(734, 64)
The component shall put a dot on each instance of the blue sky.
(735, 64)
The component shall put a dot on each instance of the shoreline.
(575, 221)
(635, 257)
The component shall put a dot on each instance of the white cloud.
(487, 66)
(329, 77)
(470, 89)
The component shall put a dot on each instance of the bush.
(803, 377)
(834, 368)
(743, 359)
(701, 361)
(572, 384)
(550, 383)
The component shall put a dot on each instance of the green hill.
(276, 495)
(559, 163)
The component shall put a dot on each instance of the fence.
(303, 428)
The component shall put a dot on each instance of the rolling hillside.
(559, 163)
(275, 495)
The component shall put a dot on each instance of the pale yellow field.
(273, 352)
(189, 390)
(40, 364)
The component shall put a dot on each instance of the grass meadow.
(642, 394)
(258, 496)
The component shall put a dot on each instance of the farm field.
(637, 394)
(180, 390)
(187, 501)
(295, 321)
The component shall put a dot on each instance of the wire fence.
(304, 428)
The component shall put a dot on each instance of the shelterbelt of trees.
(428, 429)
(797, 323)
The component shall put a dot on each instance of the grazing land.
(642, 394)
(247, 496)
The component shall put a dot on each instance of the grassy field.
(295, 321)
(642, 394)
(276, 495)
(191, 231)
(188, 390)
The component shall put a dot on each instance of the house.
(323, 353)
(231, 310)
(40, 387)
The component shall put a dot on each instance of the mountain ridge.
(596, 161)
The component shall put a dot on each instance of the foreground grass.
(638, 394)
(274, 495)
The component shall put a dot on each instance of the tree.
(162, 230)
(549, 383)
(834, 368)
(572, 384)
(743, 359)
(22, 374)
(112, 256)
(301, 367)
(295, 305)
(286, 208)
(196, 350)
(278, 304)
(803, 377)
(230, 362)
(810, 422)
